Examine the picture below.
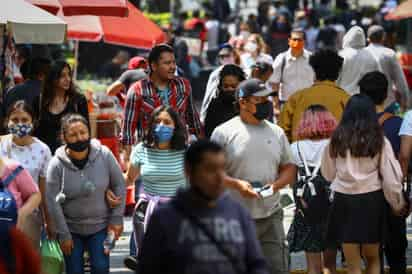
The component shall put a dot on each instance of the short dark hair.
(326, 64)
(156, 52)
(194, 154)
(232, 70)
(375, 85)
(38, 65)
(178, 141)
(196, 13)
(376, 36)
(298, 30)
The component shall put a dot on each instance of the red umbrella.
(403, 11)
(134, 30)
(82, 7)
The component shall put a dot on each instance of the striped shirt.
(142, 99)
(161, 171)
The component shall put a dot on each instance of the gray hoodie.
(357, 60)
(85, 210)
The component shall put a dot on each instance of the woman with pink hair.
(315, 128)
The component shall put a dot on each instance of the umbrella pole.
(76, 58)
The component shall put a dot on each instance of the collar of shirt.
(289, 56)
(325, 83)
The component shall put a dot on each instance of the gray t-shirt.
(254, 153)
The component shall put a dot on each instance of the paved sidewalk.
(298, 261)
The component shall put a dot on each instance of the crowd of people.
(306, 112)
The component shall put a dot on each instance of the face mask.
(79, 146)
(163, 134)
(263, 110)
(251, 47)
(20, 130)
(228, 97)
(245, 34)
(297, 45)
(227, 61)
(303, 24)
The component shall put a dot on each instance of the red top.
(27, 258)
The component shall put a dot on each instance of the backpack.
(311, 193)
(8, 205)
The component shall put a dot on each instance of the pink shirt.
(23, 186)
(352, 175)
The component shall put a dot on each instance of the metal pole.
(76, 58)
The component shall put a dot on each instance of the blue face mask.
(163, 134)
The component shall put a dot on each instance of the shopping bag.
(51, 257)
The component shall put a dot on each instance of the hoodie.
(357, 60)
(84, 210)
(182, 247)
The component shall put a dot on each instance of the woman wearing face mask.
(32, 154)
(255, 49)
(78, 176)
(221, 108)
(158, 161)
(58, 97)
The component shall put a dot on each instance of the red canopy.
(83, 7)
(403, 11)
(135, 30)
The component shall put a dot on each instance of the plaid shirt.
(142, 99)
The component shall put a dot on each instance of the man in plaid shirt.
(162, 87)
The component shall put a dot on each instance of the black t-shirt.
(218, 112)
(26, 91)
(131, 76)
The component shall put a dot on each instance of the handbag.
(52, 259)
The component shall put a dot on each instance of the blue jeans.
(100, 263)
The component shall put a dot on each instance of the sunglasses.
(221, 56)
(297, 39)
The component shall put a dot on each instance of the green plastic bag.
(52, 259)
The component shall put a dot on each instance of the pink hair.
(316, 124)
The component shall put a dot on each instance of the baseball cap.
(136, 61)
(252, 87)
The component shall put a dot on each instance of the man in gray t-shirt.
(259, 157)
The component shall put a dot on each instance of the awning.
(30, 24)
(84, 7)
(403, 11)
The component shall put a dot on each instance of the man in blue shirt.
(375, 85)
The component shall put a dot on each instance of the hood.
(95, 151)
(354, 38)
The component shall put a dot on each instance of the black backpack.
(311, 193)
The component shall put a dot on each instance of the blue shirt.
(391, 129)
(161, 171)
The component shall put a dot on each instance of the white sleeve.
(406, 127)
(277, 69)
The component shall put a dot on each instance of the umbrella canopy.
(403, 11)
(84, 7)
(30, 24)
(135, 30)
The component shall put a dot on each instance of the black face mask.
(227, 97)
(79, 146)
(263, 110)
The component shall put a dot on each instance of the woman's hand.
(117, 229)
(67, 247)
(113, 200)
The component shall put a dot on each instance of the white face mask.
(251, 47)
(227, 60)
(244, 34)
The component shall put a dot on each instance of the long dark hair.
(232, 70)
(178, 141)
(48, 92)
(359, 131)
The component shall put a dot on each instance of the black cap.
(252, 87)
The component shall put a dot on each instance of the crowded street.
(206, 136)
